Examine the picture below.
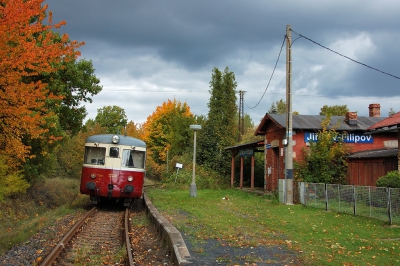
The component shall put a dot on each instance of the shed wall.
(365, 172)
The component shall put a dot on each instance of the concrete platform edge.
(169, 233)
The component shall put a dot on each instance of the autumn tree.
(334, 110)
(220, 128)
(134, 130)
(113, 118)
(324, 161)
(27, 51)
(167, 129)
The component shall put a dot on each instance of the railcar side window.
(114, 151)
(94, 155)
(131, 158)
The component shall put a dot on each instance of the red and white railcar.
(113, 168)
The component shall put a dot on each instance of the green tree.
(112, 118)
(334, 110)
(220, 128)
(72, 83)
(11, 182)
(76, 83)
(324, 161)
(71, 149)
(391, 111)
(278, 107)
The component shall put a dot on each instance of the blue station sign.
(347, 138)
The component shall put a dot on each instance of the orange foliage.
(158, 131)
(27, 50)
(133, 130)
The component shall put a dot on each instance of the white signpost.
(178, 166)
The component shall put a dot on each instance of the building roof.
(391, 122)
(313, 122)
(381, 153)
(252, 145)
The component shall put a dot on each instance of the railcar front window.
(114, 152)
(131, 158)
(94, 155)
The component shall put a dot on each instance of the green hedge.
(391, 179)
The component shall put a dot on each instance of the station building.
(353, 129)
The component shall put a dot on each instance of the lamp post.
(193, 188)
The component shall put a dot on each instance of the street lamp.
(193, 188)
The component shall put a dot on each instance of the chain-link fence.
(375, 202)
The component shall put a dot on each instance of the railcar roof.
(123, 140)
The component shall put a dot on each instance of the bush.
(205, 178)
(55, 192)
(391, 179)
(11, 183)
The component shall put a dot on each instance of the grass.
(245, 219)
(83, 257)
(44, 205)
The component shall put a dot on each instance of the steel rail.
(127, 240)
(52, 256)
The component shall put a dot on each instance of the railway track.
(101, 237)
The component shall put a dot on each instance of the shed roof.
(381, 153)
(252, 145)
(313, 122)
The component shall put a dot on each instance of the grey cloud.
(133, 42)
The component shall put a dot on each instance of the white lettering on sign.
(347, 138)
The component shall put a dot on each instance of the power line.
(302, 36)
(276, 63)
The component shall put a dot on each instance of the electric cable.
(383, 72)
(276, 63)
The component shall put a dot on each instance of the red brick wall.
(275, 158)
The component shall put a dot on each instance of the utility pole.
(241, 116)
(289, 124)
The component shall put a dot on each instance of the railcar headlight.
(93, 175)
(115, 139)
(130, 178)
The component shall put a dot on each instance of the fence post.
(354, 199)
(305, 193)
(326, 198)
(339, 186)
(389, 206)
(369, 201)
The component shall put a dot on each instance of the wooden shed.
(386, 126)
(365, 167)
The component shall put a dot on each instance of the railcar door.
(114, 164)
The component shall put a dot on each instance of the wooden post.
(241, 172)
(232, 168)
(252, 173)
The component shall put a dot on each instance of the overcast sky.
(146, 52)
